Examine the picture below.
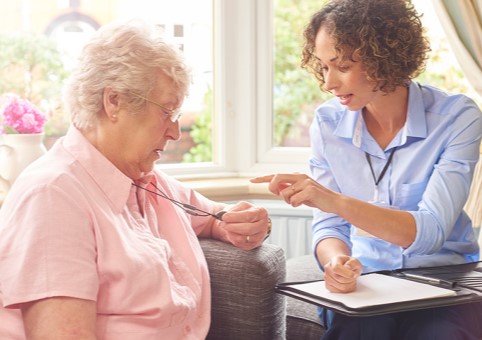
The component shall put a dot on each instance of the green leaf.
(10, 130)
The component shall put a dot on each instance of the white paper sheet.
(377, 289)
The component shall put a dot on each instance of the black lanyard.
(384, 168)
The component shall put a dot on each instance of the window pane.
(296, 93)
(40, 39)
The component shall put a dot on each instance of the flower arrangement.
(20, 116)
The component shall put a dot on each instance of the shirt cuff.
(428, 239)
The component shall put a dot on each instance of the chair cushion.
(244, 305)
(302, 320)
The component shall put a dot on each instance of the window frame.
(243, 64)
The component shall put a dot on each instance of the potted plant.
(21, 134)
(31, 66)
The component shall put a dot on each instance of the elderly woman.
(96, 243)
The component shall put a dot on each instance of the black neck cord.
(384, 168)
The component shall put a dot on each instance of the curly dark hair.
(387, 36)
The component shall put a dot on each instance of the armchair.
(244, 303)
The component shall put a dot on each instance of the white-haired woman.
(91, 248)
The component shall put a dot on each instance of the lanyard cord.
(384, 168)
(188, 208)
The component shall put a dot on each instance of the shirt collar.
(113, 183)
(416, 117)
(346, 127)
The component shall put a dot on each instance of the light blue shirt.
(429, 176)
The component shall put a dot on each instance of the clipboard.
(439, 286)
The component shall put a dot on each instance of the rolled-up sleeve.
(439, 212)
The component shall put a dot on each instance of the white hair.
(128, 58)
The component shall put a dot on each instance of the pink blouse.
(73, 225)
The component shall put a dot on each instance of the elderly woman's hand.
(245, 225)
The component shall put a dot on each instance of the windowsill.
(229, 189)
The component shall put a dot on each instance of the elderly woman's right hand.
(245, 225)
(341, 274)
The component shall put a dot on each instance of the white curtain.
(474, 204)
(462, 22)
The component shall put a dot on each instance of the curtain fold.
(462, 22)
(473, 207)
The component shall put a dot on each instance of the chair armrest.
(244, 303)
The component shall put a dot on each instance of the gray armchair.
(244, 304)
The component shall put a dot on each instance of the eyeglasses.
(188, 208)
(173, 115)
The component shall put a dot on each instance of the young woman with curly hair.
(391, 166)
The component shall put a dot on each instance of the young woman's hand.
(341, 274)
(298, 189)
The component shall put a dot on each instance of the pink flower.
(20, 116)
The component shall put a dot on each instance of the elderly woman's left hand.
(246, 225)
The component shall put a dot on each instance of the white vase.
(16, 152)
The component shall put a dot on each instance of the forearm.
(60, 318)
(330, 247)
(341, 270)
(394, 226)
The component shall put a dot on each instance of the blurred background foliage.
(202, 133)
(31, 67)
(296, 92)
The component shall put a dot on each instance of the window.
(52, 33)
(252, 101)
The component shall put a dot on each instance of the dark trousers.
(462, 322)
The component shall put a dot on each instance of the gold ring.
(247, 238)
(268, 231)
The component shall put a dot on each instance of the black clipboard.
(465, 280)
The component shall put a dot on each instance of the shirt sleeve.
(448, 187)
(325, 225)
(48, 247)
